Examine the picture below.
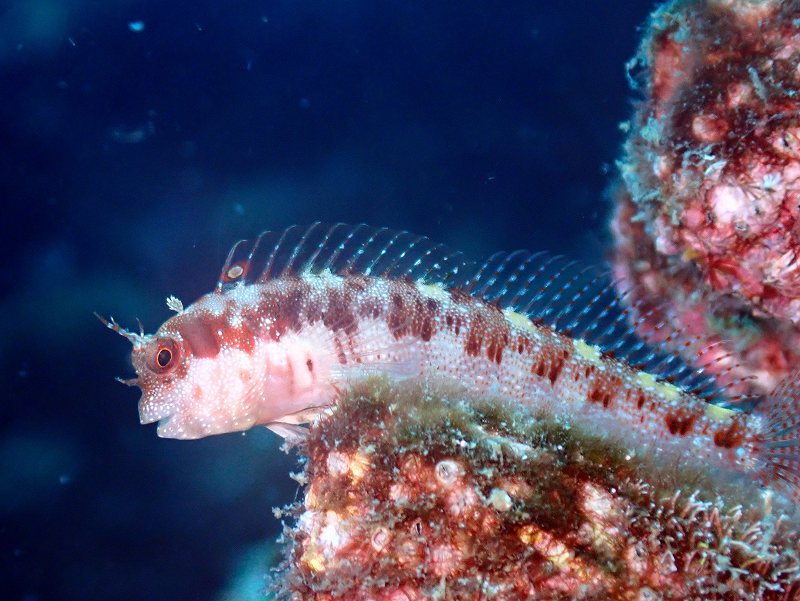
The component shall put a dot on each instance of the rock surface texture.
(706, 223)
(417, 494)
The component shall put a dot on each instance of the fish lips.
(174, 427)
(170, 422)
(150, 412)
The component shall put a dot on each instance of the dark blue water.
(140, 139)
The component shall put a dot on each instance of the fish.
(300, 315)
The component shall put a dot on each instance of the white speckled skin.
(267, 368)
(282, 336)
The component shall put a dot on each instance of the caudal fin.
(779, 442)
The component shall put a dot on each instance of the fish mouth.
(153, 412)
(175, 426)
(172, 427)
(170, 423)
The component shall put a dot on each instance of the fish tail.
(778, 443)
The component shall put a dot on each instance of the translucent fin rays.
(580, 302)
(573, 299)
(342, 249)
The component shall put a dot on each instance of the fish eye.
(163, 357)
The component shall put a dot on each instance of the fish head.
(162, 368)
(189, 390)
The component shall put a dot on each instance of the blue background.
(140, 139)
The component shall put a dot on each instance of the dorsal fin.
(582, 302)
(718, 368)
(571, 298)
(340, 248)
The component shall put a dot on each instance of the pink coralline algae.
(706, 226)
(415, 494)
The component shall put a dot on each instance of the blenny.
(299, 315)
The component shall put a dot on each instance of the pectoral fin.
(291, 433)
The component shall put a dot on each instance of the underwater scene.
(395, 301)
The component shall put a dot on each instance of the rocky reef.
(413, 492)
(708, 213)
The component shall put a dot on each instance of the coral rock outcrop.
(418, 494)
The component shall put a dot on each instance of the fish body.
(335, 305)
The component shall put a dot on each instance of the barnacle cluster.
(707, 222)
(414, 493)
